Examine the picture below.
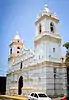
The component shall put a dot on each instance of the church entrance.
(20, 85)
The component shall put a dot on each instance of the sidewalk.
(56, 98)
(7, 97)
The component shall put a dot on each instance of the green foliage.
(66, 45)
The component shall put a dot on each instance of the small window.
(40, 28)
(39, 56)
(53, 49)
(18, 40)
(54, 70)
(21, 66)
(17, 51)
(18, 47)
(52, 27)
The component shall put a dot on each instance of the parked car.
(65, 98)
(38, 96)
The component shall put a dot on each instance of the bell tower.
(14, 48)
(47, 40)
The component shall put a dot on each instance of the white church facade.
(41, 69)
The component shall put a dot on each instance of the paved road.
(56, 99)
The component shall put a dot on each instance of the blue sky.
(20, 15)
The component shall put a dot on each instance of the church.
(41, 69)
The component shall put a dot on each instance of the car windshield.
(42, 95)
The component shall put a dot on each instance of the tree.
(67, 65)
(66, 45)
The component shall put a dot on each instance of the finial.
(46, 5)
(16, 37)
(46, 8)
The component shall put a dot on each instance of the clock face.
(67, 62)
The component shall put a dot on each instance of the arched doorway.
(20, 85)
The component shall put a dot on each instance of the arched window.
(11, 51)
(53, 49)
(18, 52)
(18, 40)
(40, 28)
(21, 65)
(18, 47)
(52, 27)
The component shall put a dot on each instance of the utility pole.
(67, 65)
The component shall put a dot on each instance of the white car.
(38, 96)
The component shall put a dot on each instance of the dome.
(16, 37)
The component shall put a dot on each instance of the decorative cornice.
(22, 60)
(49, 35)
(48, 17)
(16, 43)
(45, 63)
